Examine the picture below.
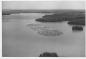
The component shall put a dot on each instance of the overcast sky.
(43, 5)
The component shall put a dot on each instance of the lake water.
(20, 40)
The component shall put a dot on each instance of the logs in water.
(77, 28)
(45, 31)
(50, 32)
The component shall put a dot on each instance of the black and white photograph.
(43, 28)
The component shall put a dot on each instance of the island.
(78, 22)
(73, 17)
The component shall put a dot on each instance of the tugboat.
(48, 54)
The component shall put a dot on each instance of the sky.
(47, 5)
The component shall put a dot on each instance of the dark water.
(20, 39)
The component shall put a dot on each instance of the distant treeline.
(8, 12)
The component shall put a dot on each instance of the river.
(19, 40)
